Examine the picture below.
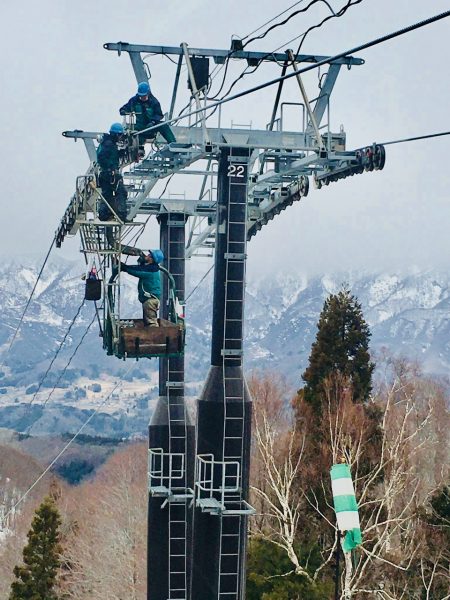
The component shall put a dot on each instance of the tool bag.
(93, 286)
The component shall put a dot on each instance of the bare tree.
(105, 555)
(277, 465)
(394, 445)
(391, 493)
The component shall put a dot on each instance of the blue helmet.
(116, 128)
(143, 89)
(157, 255)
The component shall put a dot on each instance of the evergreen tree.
(35, 580)
(341, 346)
(270, 575)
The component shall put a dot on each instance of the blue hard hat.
(143, 89)
(157, 255)
(116, 128)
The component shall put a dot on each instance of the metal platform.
(165, 470)
(214, 507)
(280, 167)
(218, 487)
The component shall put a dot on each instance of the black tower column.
(224, 408)
(171, 429)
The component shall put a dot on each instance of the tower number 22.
(236, 170)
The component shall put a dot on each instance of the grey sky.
(56, 76)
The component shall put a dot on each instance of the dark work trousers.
(115, 194)
(163, 129)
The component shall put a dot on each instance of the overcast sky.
(57, 76)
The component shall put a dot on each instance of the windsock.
(345, 506)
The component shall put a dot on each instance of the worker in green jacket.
(148, 113)
(149, 285)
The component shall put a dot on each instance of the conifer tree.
(36, 579)
(341, 346)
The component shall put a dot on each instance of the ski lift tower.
(199, 496)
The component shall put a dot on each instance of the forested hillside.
(104, 533)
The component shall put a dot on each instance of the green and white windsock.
(345, 506)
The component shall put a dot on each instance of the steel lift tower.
(199, 476)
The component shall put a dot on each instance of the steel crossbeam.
(220, 56)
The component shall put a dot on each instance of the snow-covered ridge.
(408, 313)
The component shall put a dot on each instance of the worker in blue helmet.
(110, 180)
(149, 285)
(148, 113)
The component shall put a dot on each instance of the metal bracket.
(237, 159)
(234, 256)
(175, 384)
(227, 352)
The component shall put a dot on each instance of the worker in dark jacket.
(148, 113)
(149, 285)
(110, 179)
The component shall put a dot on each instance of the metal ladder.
(233, 391)
(178, 511)
(229, 560)
(177, 551)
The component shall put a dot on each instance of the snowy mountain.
(408, 314)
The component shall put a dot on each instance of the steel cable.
(31, 296)
(201, 280)
(418, 137)
(63, 372)
(57, 352)
(316, 65)
(53, 462)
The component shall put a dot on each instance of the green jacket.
(108, 154)
(148, 113)
(149, 279)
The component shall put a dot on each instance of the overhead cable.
(57, 352)
(249, 71)
(418, 137)
(200, 282)
(69, 443)
(63, 372)
(334, 15)
(310, 67)
(231, 52)
(288, 18)
(272, 19)
(31, 295)
(136, 238)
